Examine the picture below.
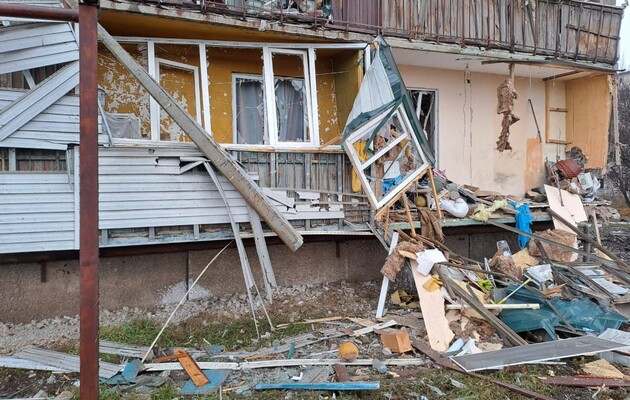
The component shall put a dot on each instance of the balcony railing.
(565, 29)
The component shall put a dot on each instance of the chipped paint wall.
(469, 127)
(123, 93)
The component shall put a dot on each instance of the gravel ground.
(352, 299)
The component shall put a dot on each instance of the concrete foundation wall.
(37, 291)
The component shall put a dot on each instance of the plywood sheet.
(433, 313)
(569, 208)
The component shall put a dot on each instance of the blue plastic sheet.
(523, 222)
(582, 314)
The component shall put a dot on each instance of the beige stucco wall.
(469, 127)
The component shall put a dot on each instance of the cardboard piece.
(397, 342)
(572, 210)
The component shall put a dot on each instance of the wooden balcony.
(564, 29)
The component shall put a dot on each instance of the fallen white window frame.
(360, 166)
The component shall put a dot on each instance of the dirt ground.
(227, 321)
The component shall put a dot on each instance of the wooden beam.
(220, 158)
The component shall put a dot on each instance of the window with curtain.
(292, 120)
(249, 110)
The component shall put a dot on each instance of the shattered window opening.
(426, 106)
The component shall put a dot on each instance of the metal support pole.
(88, 167)
(38, 12)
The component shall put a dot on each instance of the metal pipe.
(38, 12)
(88, 165)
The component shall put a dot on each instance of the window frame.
(236, 76)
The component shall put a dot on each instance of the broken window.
(38, 160)
(386, 153)
(425, 105)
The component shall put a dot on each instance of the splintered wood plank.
(191, 368)
(433, 314)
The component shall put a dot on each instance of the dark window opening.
(37, 160)
(425, 104)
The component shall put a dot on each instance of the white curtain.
(250, 111)
(290, 110)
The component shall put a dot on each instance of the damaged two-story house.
(284, 88)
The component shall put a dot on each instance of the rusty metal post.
(37, 12)
(88, 166)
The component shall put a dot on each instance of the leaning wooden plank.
(537, 352)
(65, 361)
(18, 363)
(37, 100)
(320, 386)
(433, 314)
(233, 366)
(225, 163)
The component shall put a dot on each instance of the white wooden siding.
(36, 212)
(27, 46)
(54, 128)
(143, 188)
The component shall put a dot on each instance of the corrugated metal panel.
(36, 212)
(30, 46)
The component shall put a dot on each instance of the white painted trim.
(314, 117)
(308, 95)
(245, 45)
(205, 83)
(154, 106)
(270, 97)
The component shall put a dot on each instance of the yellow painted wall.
(125, 95)
(589, 105)
(221, 64)
(123, 92)
(348, 75)
(469, 128)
